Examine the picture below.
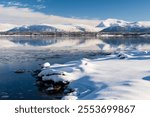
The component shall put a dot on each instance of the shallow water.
(28, 53)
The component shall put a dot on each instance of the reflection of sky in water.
(78, 41)
(127, 41)
(110, 41)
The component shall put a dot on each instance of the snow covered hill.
(35, 28)
(55, 28)
(114, 25)
(127, 29)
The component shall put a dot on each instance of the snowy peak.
(144, 23)
(114, 25)
(112, 22)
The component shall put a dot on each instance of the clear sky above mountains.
(130, 10)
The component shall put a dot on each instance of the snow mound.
(69, 98)
(55, 78)
(54, 75)
(46, 65)
(109, 78)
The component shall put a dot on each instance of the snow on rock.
(69, 98)
(54, 75)
(46, 65)
(50, 89)
(48, 72)
(122, 55)
(55, 78)
(52, 81)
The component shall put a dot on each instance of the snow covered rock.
(48, 72)
(69, 98)
(46, 65)
(55, 78)
(54, 75)
(122, 56)
(51, 80)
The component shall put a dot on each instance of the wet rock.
(122, 56)
(20, 71)
(68, 90)
(51, 86)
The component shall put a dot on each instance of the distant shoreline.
(78, 34)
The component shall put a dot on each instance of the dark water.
(28, 53)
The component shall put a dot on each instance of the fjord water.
(28, 53)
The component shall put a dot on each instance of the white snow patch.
(110, 77)
(69, 98)
(109, 35)
(46, 65)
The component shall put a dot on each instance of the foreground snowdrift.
(111, 77)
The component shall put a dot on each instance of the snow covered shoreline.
(109, 77)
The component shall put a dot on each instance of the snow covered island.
(114, 77)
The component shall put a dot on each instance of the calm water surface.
(29, 52)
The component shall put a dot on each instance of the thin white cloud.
(26, 16)
(39, 6)
(13, 3)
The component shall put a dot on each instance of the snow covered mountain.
(108, 25)
(75, 28)
(35, 28)
(55, 28)
(114, 25)
(127, 29)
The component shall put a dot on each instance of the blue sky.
(72, 11)
(132, 10)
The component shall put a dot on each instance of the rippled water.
(29, 52)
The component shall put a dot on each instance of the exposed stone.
(19, 71)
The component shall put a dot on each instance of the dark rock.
(35, 73)
(122, 56)
(20, 71)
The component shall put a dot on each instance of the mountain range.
(108, 25)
